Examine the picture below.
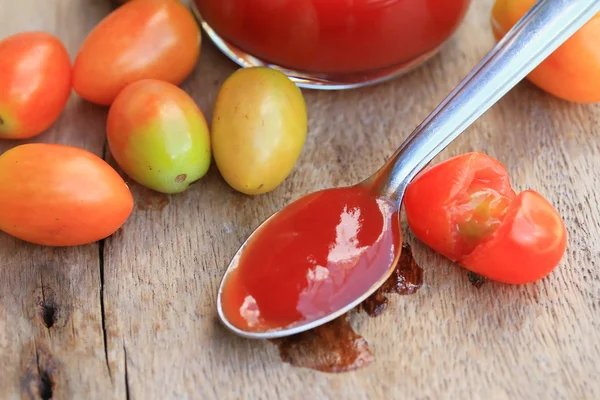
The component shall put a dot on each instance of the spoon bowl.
(340, 246)
(360, 224)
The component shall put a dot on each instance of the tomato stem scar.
(180, 178)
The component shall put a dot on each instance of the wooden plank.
(161, 271)
(496, 341)
(51, 322)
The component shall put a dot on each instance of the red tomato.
(526, 247)
(157, 39)
(35, 83)
(465, 209)
(58, 195)
(440, 200)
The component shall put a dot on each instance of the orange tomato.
(156, 39)
(57, 195)
(35, 83)
(465, 209)
(571, 72)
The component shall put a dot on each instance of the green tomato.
(158, 136)
(258, 129)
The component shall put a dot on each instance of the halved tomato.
(465, 209)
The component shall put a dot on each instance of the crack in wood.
(102, 310)
(127, 393)
(101, 262)
(42, 288)
(48, 315)
(45, 384)
(48, 311)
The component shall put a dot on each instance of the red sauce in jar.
(334, 36)
(311, 259)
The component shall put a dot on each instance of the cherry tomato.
(156, 39)
(259, 127)
(571, 72)
(158, 136)
(57, 195)
(465, 209)
(35, 83)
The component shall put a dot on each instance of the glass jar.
(331, 44)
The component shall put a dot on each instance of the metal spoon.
(539, 32)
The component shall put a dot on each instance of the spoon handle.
(538, 33)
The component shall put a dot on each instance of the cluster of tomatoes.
(132, 62)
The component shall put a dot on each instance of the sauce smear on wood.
(406, 279)
(332, 347)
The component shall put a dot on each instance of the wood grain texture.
(135, 316)
(66, 359)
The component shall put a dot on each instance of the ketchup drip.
(311, 259)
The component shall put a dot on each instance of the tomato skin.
(526, 240)
(35, 83)
(158, 136)
(57, 195)
(259, 127)
(156, 39)
(527, 247)
(429, 197)
(572, 71)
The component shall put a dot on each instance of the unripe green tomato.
(158, 136)
(258, 130)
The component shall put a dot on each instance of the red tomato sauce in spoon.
(311, 259)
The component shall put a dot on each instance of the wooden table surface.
(134, 316)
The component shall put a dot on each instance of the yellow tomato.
(571, 72)
(258, 130)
